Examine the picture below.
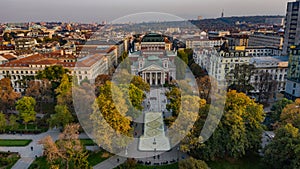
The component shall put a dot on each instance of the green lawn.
(13, 143)
(97, 157)
(39, 163)
(93, 159)
(250, 161)
(7, 160)
(87, 142)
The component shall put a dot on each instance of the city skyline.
(96, 11)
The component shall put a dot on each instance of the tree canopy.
(8, 96)
(192, 163)
(26, 106)
(239, 130)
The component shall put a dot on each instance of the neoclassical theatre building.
(153, 59)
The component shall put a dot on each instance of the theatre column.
(151, 79)
(156, 78)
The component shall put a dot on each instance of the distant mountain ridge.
(230, 22)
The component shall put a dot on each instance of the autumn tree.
(8, 96)
(174, 96)
(291, 114)
(64, 92)
(283, 152)
(192, 163)
(109, 116)
(54, 74)
(134, 100)
(13, 124)
(204, 86)
(277, 109)
(239, 130)
(26, 106)
(40, 90)
(181, 62)
(140, 83)
(67, 152)
(3, 122)
(62, 116)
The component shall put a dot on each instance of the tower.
(291, 47)
(292, 26)
(222, 14)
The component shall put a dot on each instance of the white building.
(86, 68)
(276, 67)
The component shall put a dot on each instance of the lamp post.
(178, 154)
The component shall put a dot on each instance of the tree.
(40, 90)
(198, 72)
(277, 109)
(100, 81)
(109, 117)
(291, 114)
(2, 122)
(134, 100)
(239, 78)
(239, 130)
(8, 96)
(54, 74)
(192, 163)
(174, 96)
(25, 106)
(140, 83)
(64, 92)
(204, 86)
(62, 117)
(181, 63)
(13, 124)
(283, 152)
(68, 152)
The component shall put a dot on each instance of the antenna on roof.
(222, 14)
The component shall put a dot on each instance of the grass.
(7, 160)
(14, 143)
(97, 157)
(93, 159)
(250, 161)
(87, 142)
(40, 163)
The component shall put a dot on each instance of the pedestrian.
(118, 160)
(31, 148)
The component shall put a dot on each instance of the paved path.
(28, 155)
(111, 163)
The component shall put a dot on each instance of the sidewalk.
(28, 155)
(111, 163)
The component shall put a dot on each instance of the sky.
(89, 11)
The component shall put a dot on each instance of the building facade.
(293, 76)
(292, 26)
(87, 68)
(154, 62)
(266, 39)
(275, 68)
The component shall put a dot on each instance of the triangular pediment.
(153, 67)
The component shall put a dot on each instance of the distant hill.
(229, 22)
